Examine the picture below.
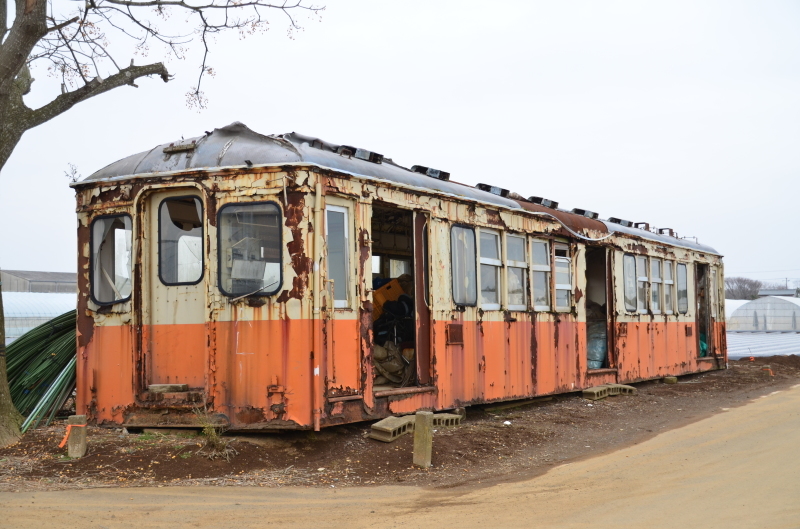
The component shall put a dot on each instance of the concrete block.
(168, 388)
(595, 393)
(620, 389)
(446, 419)
(76, 442)
(390, 428)
(670, 380)
(423, 439)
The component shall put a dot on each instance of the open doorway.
(596, 308)
(703, 310)
(398, 281)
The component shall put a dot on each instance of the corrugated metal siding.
(744, 344)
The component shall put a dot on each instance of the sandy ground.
(739, 468)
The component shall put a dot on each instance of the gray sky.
(682, 114)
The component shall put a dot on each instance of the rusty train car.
(244, 277)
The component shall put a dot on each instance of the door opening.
(703, 310)
(596, 308)
(401, 319)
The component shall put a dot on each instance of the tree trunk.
(10, 419)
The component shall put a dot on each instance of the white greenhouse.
(26, 310)
(768, 314)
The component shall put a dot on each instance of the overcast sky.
(685, 115)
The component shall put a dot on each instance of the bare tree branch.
(96, 86)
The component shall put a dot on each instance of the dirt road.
(739, 468)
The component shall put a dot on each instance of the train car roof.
(238, 146)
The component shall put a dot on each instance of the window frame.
(521, 265)
(92, 259)
(452, 263)
(543, 268)
(656, 281)
(556, 285)
(339, 303)
(677, 287)
(496, 263)
(202, 241)
(219, 246)
(643, 309)
(635, 308)
(669, 285)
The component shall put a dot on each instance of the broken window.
(668, 287)
(655, 285)
(111, 259)
(463, 255)
(490, 270)
(517, 269)
(180, 245)
(683, 290)
(629, 279)
(541, 275)
(337, 235)
(641, 284)
(250, 249)
(563, 264)
(398, 267)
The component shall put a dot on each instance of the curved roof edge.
(237, 146)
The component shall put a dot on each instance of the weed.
(186, 455)
(215, 446)
(146, 437)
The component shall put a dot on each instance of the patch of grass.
(146, 437)
(186, 455)
(215, 446)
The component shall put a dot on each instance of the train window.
(463, 256)
(668, 287)
(250, 249)
(563, 264)
(180, 241)
(655, 285)
(517, 266)
(398, 267)
(541, 275)
(641, 284)
(111, 259)
(490, 270)
(337, 235)
(629, 279)
(683, 289)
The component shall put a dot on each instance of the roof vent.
(621, 222)
(642, 225)
(666, 231)
(493, 189)
(430, 171)
(180, 147)
(585, 212)
(544, 202)
(361, 154)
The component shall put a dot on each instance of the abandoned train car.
(281, 282)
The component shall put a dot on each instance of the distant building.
(29, 281)
(26, 310)
(779, 292)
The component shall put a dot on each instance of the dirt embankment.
(491, 445)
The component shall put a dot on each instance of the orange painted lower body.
(266, 374)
